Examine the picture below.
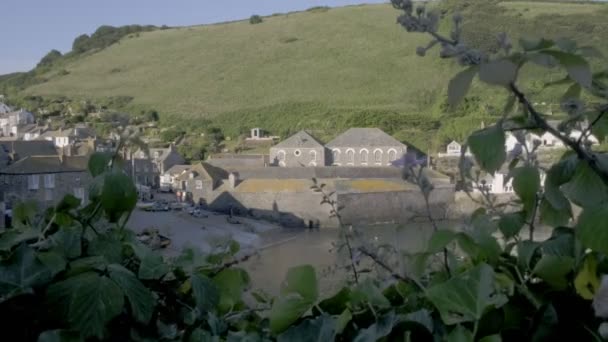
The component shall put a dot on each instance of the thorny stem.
(336, 212)
(533, 218)
(387, 268)
(581, 152)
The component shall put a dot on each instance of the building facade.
(370, 147)
(299, 150)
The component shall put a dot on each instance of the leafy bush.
(255, 19)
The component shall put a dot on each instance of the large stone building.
(301, 149)
(45, 179)
(365, 147)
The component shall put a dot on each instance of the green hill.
(322, 70)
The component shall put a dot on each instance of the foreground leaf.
(320, 329)
(21, 273)
(466, 296)
(592, 228)
(59, 336)
(460, 334)
(526, 183)
(378, 330)
(140, 298)
(577, 67)
(488, 147)
(206, 294)
(87, 302)
(298, 294)
(231, 283)
(459, 85)
(587, 281)
(501, 72)
(554, 269)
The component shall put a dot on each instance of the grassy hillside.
(319, 70)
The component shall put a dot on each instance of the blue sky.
(31, 28)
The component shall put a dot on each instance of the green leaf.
(488, 147)
(587, 282)
(586, 187)
(526, 183)
(140, 298)
(13, 237)
(81, 265)
(577, 67)
(367, 293)
(320, 329)
(206, 294)
(67, 240)
(99, 163)
(21, 272)
(152, 265)
(298, 294)
(337, 303)
(491, 338)
(88, 302)
(554, 269)
(303, 280)
(573, 92)
(439, 240)
(422, 317)
(108, 246)
(166, 331)
(287, 309)
(53, 260)
(535, 44)
(510, 224)
(68, 202)
(459, 85)
(466, 296)
(561, 243)
(525, 253)
(231, 283)
(342, 321)
(59, 336)
(501, 72)
(118, 196)
(378, 330)
(460, 334)
(592, 228)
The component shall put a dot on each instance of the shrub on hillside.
(255, 19)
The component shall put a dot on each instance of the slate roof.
(29, 148)
(206, 171)
(299, 140)
(46, 164)
(364, 137)
(178, 169)
(4, 108)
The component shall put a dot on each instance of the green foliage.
(255, 19)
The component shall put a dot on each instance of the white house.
(500, 183)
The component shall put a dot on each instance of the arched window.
(378, 156)
(281, 155)
(336, 156)
(350, 156)
(313, 155)
(364, 154)
(392, 155)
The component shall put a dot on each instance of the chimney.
(233, 180)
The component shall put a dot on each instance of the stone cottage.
(299, 150)
(147, 167)
(45, 179)
(364, 147)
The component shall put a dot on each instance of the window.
(146, 168)
(154, 167)
(336, 156)
(378, 156)
(32, 182)
(364, 154)
(281, 155)
(350, 156)
(297, 153)
(392, 155)
(79, 193)
(48, 195)
(313, 155)
(137, 167)
(49, 181)
(199, 184)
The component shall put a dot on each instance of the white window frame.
(335, 155)
(281, 155)
(198, 184)
(350, 156)
(364, 156)
(313, 156)
(33, 182)
(392, 158)
(378, 152)
(49, 181)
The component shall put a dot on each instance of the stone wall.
(394, 206)
(297, 157)
(359, 156)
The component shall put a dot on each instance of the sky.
(31, 28)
